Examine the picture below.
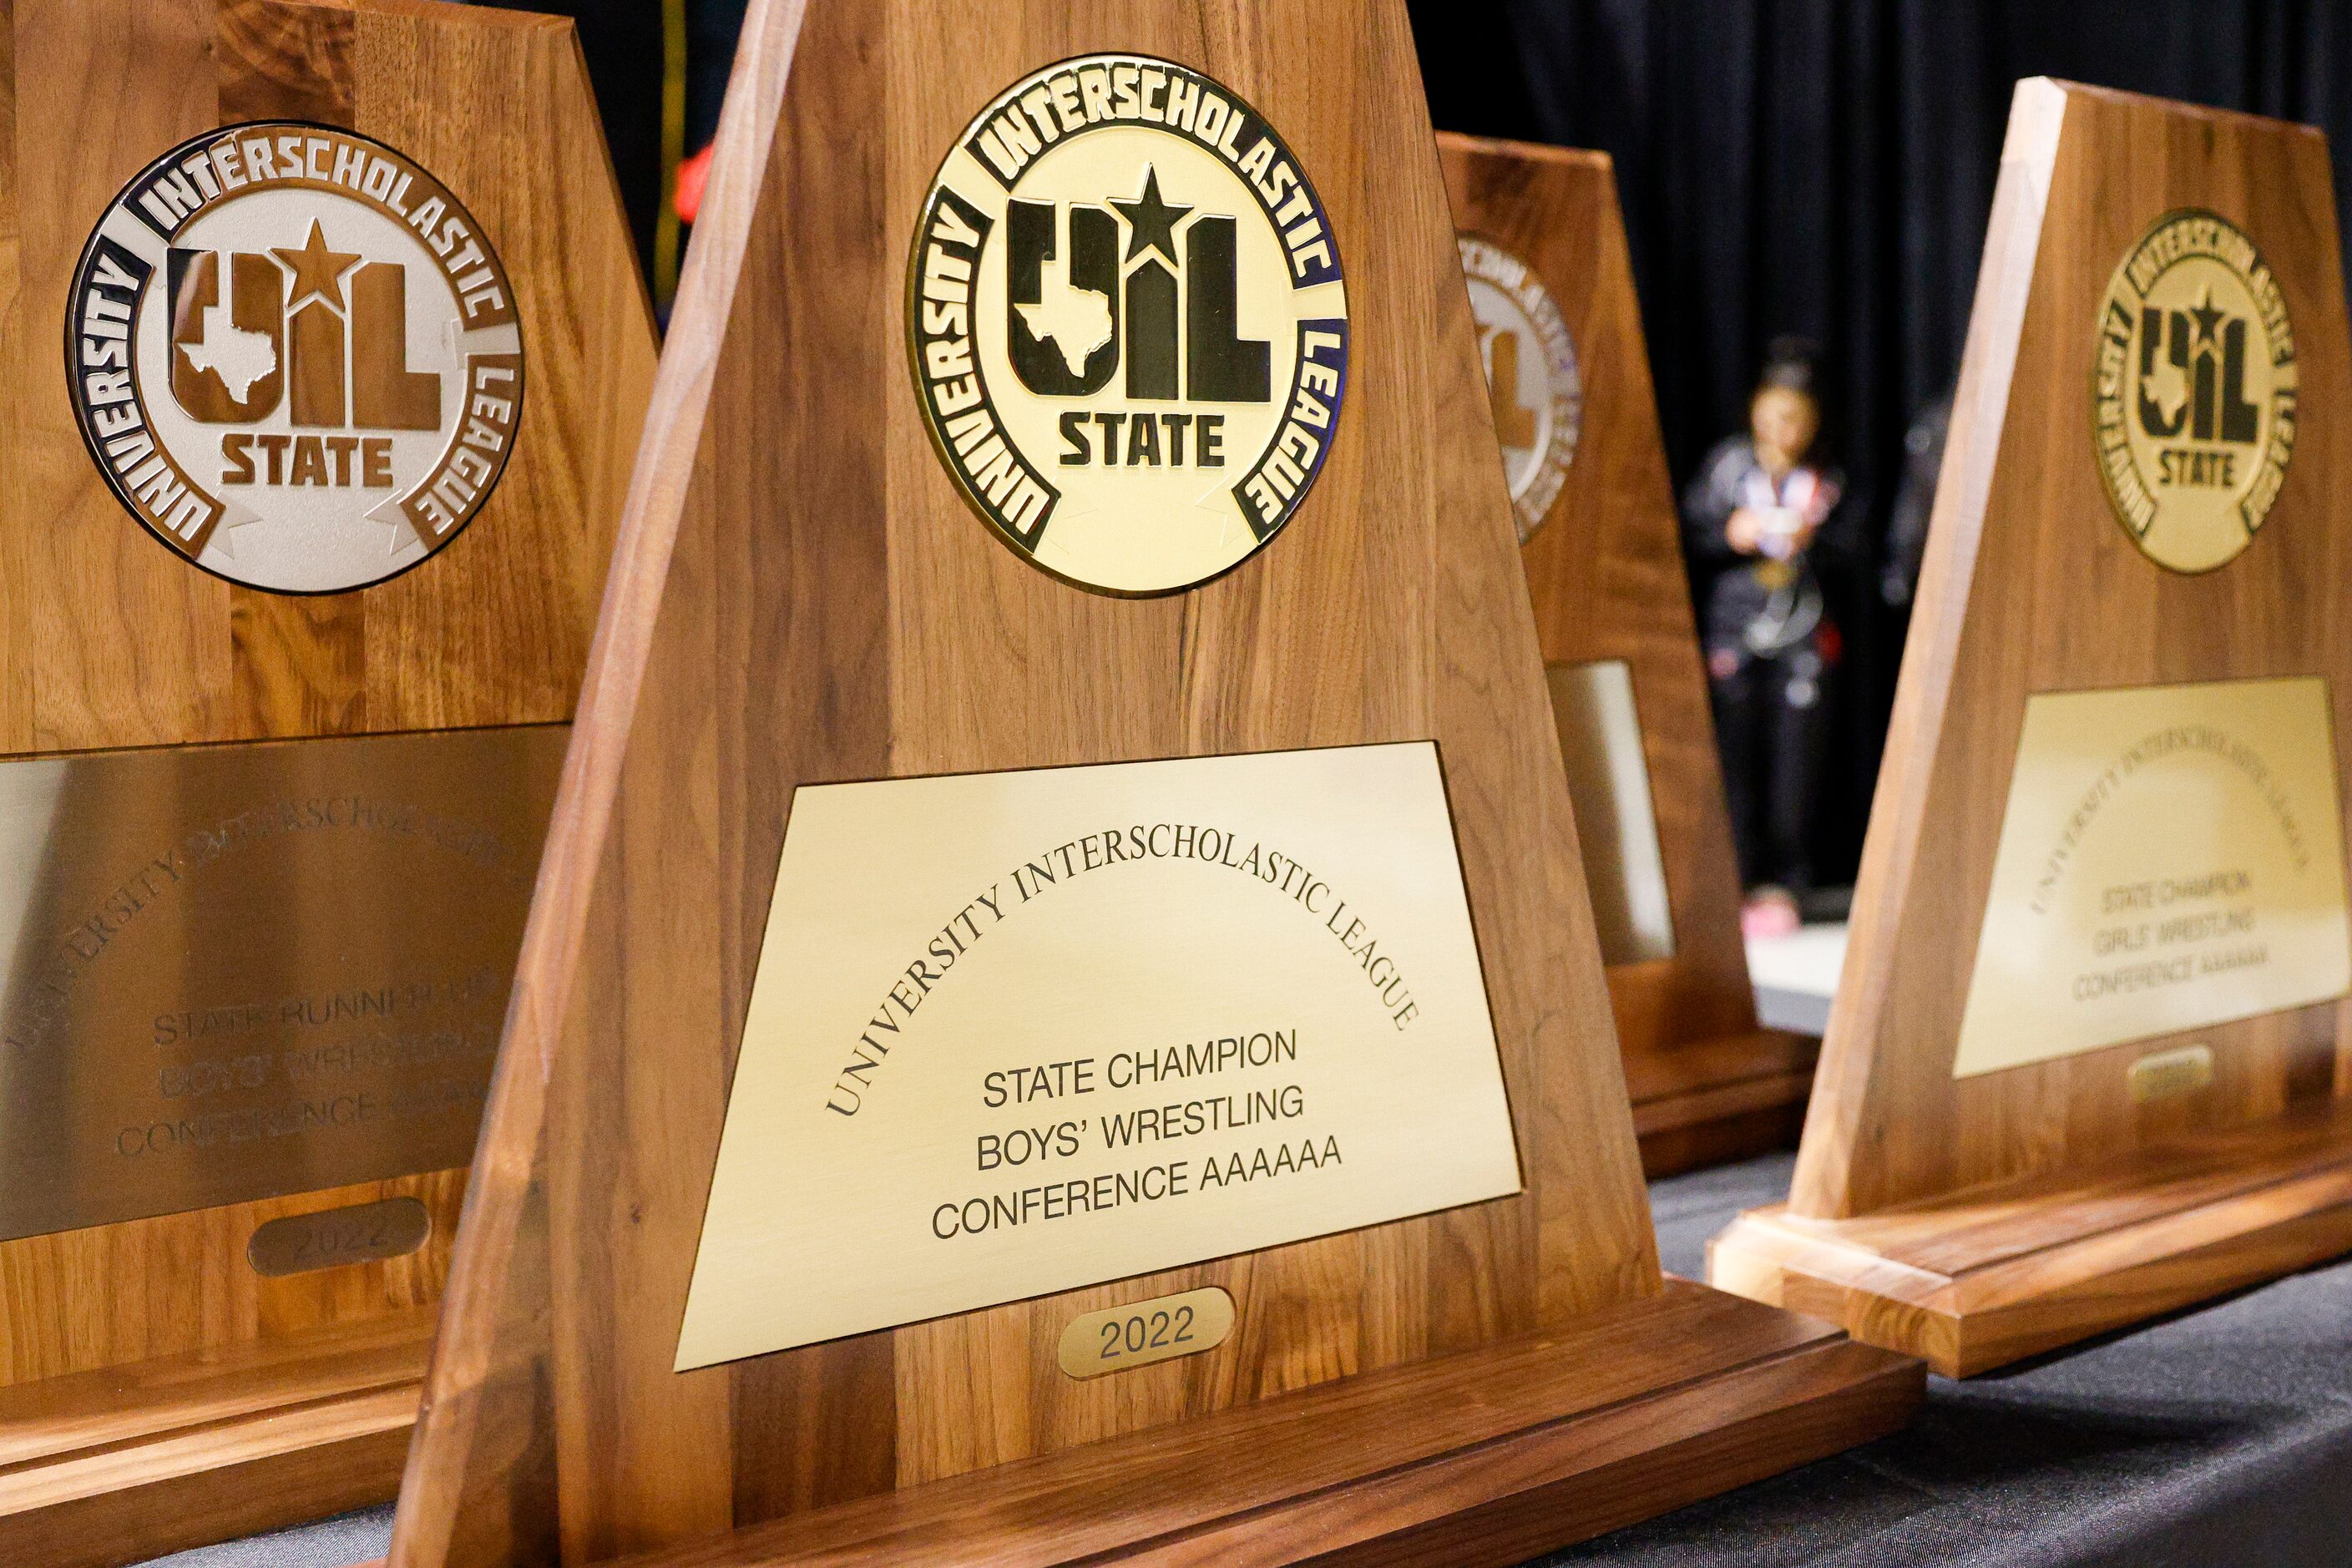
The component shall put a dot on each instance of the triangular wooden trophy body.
(1560, 334)
(1038, 1165)
(324, 359)
(2087, 1059)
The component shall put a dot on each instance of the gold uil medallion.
(1127, 323)
(295, 357)
(2193, 390)
(1532, 376)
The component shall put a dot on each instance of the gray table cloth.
(2219, 1438)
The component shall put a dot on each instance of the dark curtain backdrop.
(1825, 167)
(625, 47)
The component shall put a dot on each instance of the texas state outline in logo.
(294, 356)
(1127, 323)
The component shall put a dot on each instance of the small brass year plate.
(330, 1238)
(2168, 1074)
(1116, 1338)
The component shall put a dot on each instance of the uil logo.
(1532, 378)
(295, 357)
(2194, 390)
(1127, 323)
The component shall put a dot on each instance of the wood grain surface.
(1605, 571)
(1616, 1415)
(123, 1463)
(1984, 1277)
(115, 640)
(2028, 587)
(800, 597)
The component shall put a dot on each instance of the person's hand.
(1807, 526)
(1745, 531)
(1777, 532)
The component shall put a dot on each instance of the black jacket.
(1755, 604)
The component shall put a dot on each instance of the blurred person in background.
(1752, 520)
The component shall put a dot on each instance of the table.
(336, 1543)
(2221, 1438)
(1796, 975)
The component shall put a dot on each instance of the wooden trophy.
(325, 355)
(1560, 332)
(1061, 1021)
(2087, 1062)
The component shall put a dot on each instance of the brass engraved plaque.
(331, 1238)
(1616, 818)
(1018, 1033)
(1119, 1338)
(2170, 857)
(238, 971)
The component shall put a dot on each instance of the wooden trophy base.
(1985, 1277)
(1752, 1101)
(130, 1462)
(1707, 1099)
(1491, 1456)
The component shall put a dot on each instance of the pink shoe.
(1769, 912)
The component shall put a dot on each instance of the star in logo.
(317, 269)
(2208, 316)
(1150, 221)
